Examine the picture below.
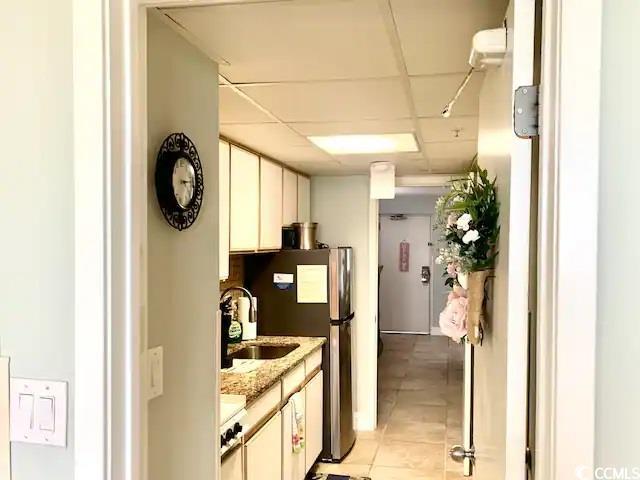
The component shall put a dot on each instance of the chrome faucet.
(252, 308)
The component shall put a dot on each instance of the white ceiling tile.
(320, 168)
(436, 34)
(388, 157)
(234, 109)
(263, 134)
(451, 153)
(301, 40)
(431, 94)
(449, 166)
(333, 101)
(355, 127)
(449, 129)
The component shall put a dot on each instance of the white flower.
(471, 236)
(463, 222)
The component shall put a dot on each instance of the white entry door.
(404, 296)
(500, 363)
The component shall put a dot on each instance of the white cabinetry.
(223, 226)
(294, 464)
(245, 200)
(304, 199)
(232, 467)
(289, 197)
(313, 416)
(270, 205)
(262, 452)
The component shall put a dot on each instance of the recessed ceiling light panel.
(362, 144)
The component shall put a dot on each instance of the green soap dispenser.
(235, 329)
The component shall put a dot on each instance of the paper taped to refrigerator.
(312, 283)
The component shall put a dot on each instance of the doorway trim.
(429, 180)
(567, 285)
(112, 313)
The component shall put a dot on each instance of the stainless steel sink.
(264, 351)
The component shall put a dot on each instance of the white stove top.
(230, 405)
(232, 426)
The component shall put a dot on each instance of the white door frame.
(110, 209)
(110, 150)
(567, 258)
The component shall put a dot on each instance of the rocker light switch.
(38, 411)
(46, 414)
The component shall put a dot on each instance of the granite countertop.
(254, 383)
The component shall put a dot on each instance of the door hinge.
(525, 111)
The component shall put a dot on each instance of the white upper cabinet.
(245, 200)
(289, 197)
(223, 226)
(270, 205)
(304, 199)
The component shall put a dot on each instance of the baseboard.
(436, 331)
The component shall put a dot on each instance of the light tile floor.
(419, 413)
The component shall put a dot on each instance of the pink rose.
(451, 220)
(452, 271)
(459, 291)
(453, 319)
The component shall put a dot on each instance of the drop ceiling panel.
(301, 40)
(235, 109)
(451, 129)
(449, 166)
(264, 134)
(333, 101)
(355, 127)
(455, 151)
(431, 94)
(369, 158)
(330, 167)
(436, 35)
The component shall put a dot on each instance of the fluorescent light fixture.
(358, 144)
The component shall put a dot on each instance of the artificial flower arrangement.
(468, 216)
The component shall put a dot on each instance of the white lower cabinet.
(313, 417)
(294, 465)
(268, 454)
(232, 467)
(262, 451)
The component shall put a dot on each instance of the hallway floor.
(419, 413)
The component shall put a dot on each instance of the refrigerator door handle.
(344, 320)
(334, 382)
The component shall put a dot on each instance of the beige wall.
(341, 207)
(618, 343)
(37, 198)
(183, 266)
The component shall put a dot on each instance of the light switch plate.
(155, 359)
(38, 411)
(5, 452)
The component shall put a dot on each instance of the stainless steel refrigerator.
(268, 276)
